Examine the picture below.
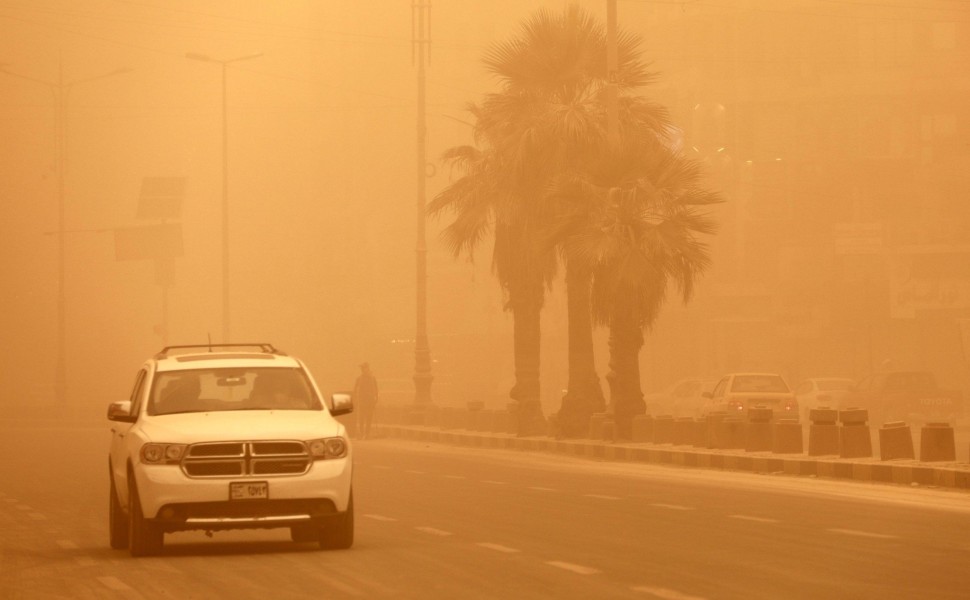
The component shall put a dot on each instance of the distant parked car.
(816, 392)
(910, 396)
(683, 398)
(735, 393)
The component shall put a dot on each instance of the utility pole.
(60, 90)
(224, 63)
(420, 42)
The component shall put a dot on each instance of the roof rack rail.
(262, 346)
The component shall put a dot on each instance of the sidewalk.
(903, 472)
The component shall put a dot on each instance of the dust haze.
(837, 132)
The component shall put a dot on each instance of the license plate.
(248, 490)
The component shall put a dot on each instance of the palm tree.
(639, 235)
(548, 120)
(485, 201)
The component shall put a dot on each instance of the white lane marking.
(415, 472)
(385, 467)
(455, 477)
(755, 519)
(498, 547)
(67, 544)
(543, 489)
(496, 482)
(665, 593)
(580, 569)
(23, 507)
(433, 531)
(672, 506)
(855, 532)
(113, 583)
(380, 518)
(10, 500)
(36, 516)
(600, 497)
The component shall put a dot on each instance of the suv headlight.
(323, 449)
(157, 454)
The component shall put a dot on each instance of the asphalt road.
(444, 522)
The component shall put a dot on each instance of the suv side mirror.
(342, 404)
(121, 411)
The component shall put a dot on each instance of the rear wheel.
(117, 519)
(339, 533)
(144, 537)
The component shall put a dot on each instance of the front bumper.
(178, 502)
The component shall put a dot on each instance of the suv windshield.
(206, 390)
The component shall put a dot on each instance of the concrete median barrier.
(609, 430)
(937, 443)
(596, 421)
(683, 431)
(895, 441)
(711, 423)
(855, 438)
(758, 434)
(731, 433)
(823, 432)
(787, 437)
(663, 429)
(642, 428)
(700, 433)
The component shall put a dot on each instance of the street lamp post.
(60, 90)
(225, 182)
(421, 25)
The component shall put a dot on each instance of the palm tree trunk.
(584, 396)
(526, 303)
(626, 397)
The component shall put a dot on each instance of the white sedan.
(817, 392)
(735, 393)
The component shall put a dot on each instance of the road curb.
(897, 471)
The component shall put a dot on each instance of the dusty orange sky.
(321, 172)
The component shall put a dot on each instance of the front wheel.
(117, 519)
(339, 533)
(144, 537)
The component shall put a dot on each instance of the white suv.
(226, 436)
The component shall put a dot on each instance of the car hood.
(189, 428)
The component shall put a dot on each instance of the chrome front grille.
(245, 459)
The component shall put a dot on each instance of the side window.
(136, 393)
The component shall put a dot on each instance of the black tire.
(144, 537)
(303, 534)
(338, 534)
(117, 519)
